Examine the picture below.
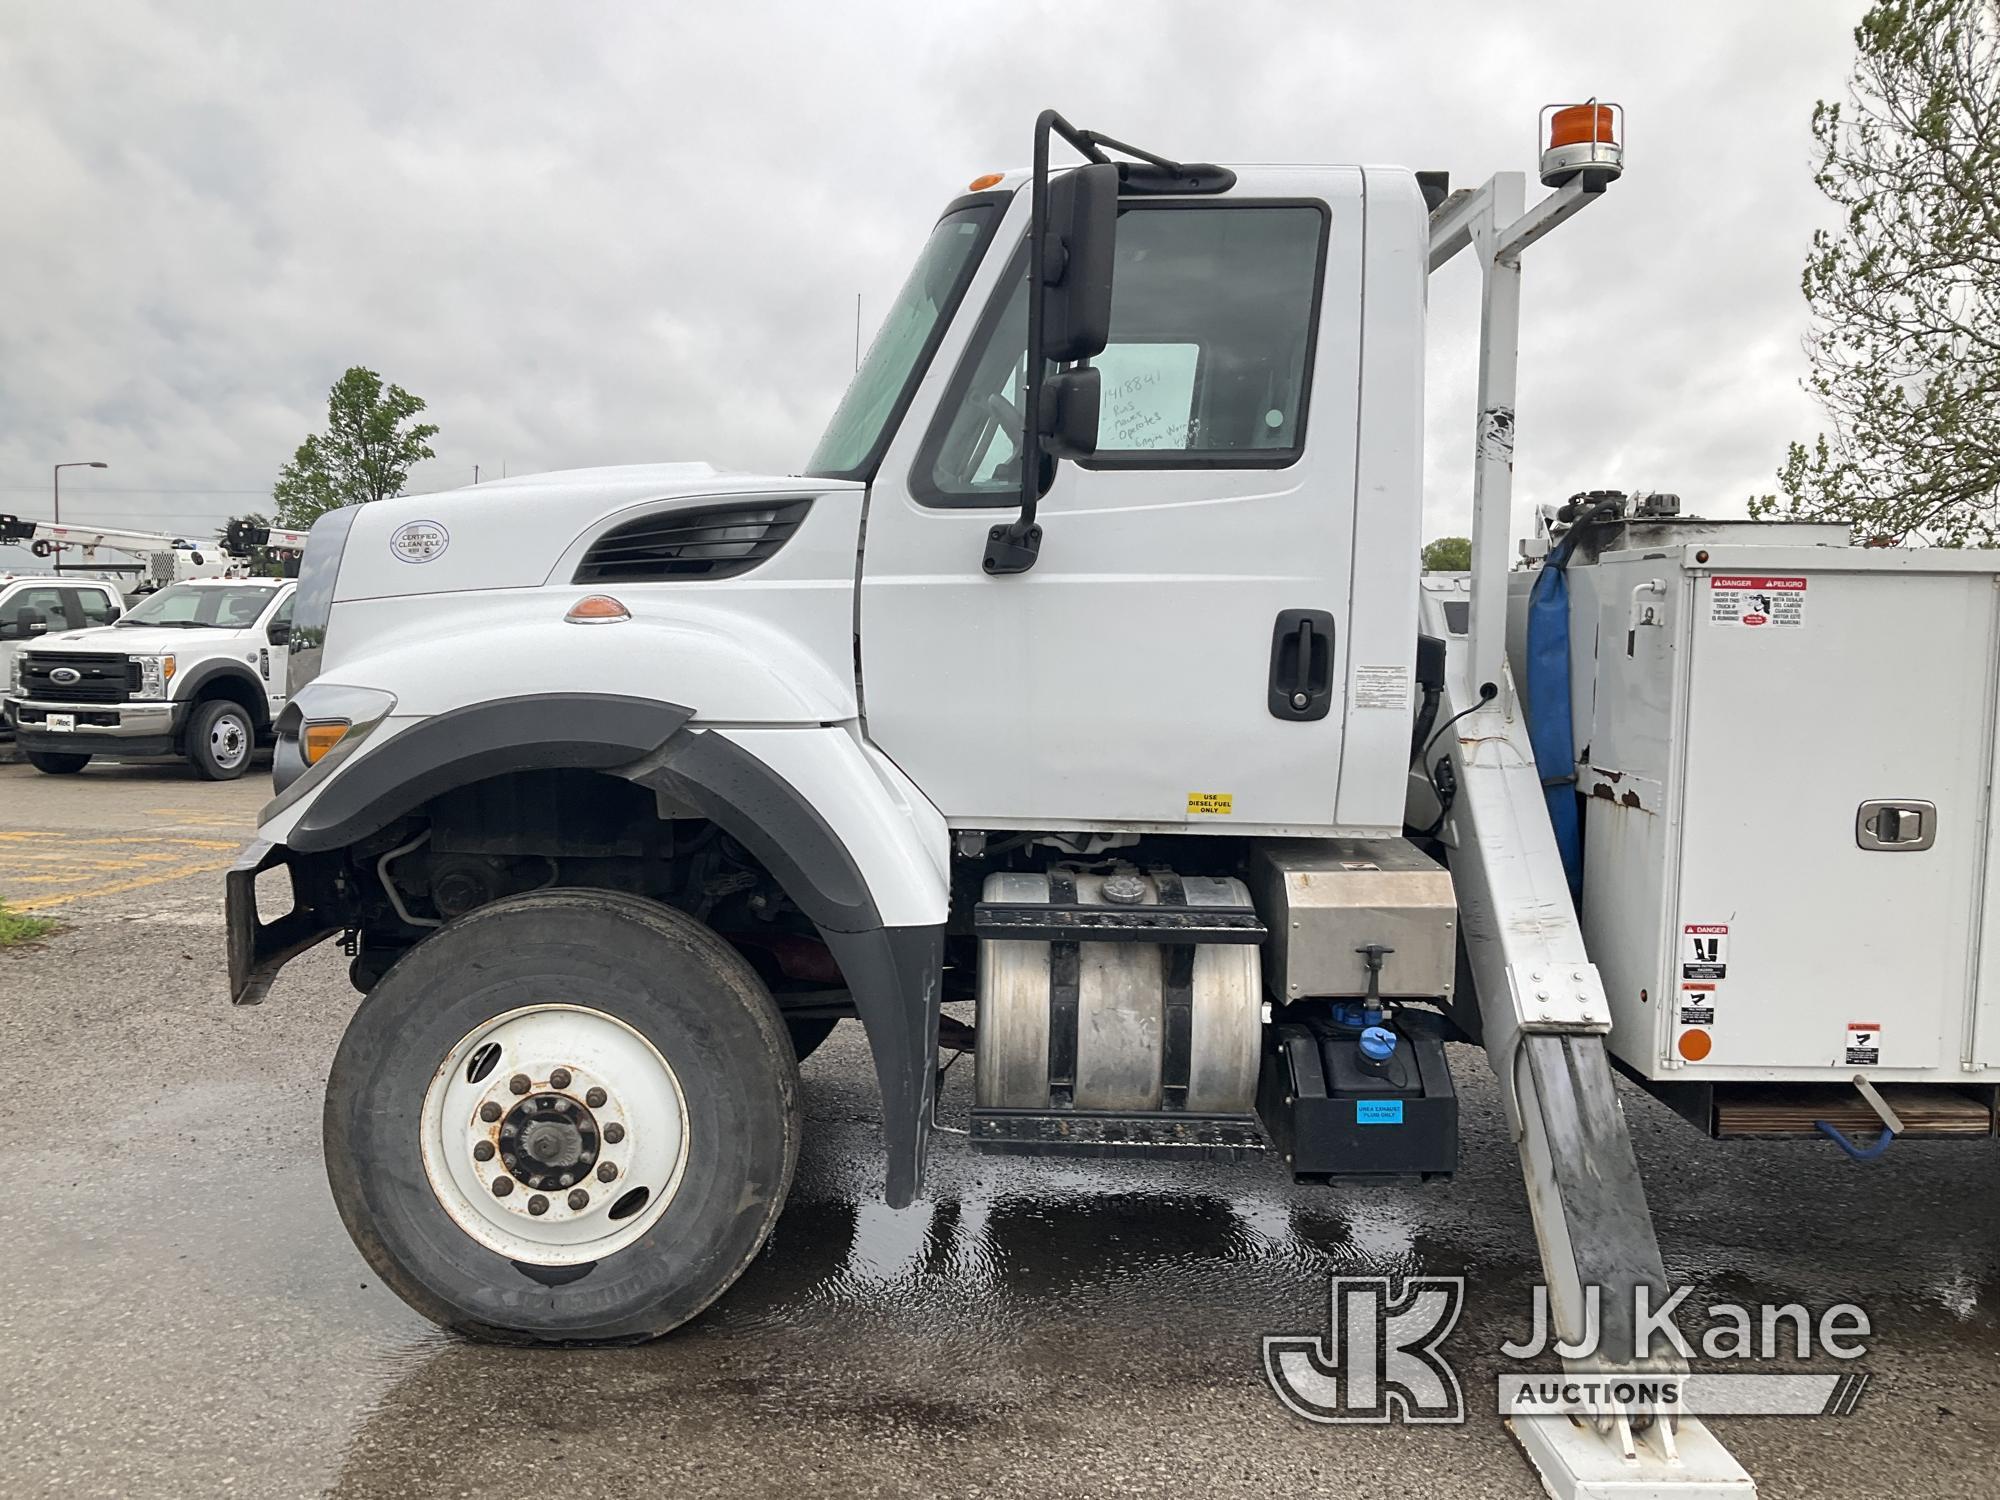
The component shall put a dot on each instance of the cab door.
(1128, 677)
(274, 649)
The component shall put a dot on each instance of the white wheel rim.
(621, 1105)
(229, 740)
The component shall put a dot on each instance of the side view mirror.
(1078, 240)
(279, 633)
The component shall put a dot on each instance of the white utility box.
(1786, 747)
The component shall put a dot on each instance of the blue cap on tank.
(1378, 1044)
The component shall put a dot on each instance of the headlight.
(156, 676)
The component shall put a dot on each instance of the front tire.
(644, 1042)
(54, 763)
(220, 737)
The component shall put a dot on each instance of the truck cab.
(1094, 609)
(196, 669)
(39, 605)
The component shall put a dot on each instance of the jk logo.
(1379, 1361)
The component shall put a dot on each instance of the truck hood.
(510, 533)
(143, 640)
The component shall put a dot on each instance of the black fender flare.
(893, 973)
(536, 731)
(201, 674)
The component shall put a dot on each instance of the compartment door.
(1811, 695)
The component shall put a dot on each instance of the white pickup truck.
(39, 604)
(197, 669)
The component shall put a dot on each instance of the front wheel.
(54, 763)
(220, 737)
(570, 1116)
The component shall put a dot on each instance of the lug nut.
(489, 1112)
(579, 1199)
(607, 1171)
(483, 1151)
(614, 1132)
(538, 1205)
(559, 1079)
(502, 1186)
(595, 1098)
(519, 1083)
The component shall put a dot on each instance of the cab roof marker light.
(984, 181)
(597, 609)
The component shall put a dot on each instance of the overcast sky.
(611, 232)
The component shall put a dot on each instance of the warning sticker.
(1214, 804)
(1381, 687)
(1705, 950)
(1756, 602)
(1864, 1044)
(1697, 1015)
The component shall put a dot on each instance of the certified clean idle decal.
(419, 541)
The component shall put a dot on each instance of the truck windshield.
(853, 442)
(205, 607)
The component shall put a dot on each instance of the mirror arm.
(1013, 548)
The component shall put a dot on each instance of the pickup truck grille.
(100, 678)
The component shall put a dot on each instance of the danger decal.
(1864, 1044)
(1756, 603)
(1705, 951)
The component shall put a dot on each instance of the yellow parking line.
(120, 887)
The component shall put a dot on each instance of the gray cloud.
(600, 233)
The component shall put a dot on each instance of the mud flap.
(893, 974)
(257, 950)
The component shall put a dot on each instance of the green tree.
(366, 453)
(1448, 554)
(1905, 292)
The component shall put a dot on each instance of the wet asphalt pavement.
(181, 1312)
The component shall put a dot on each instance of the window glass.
(96, 606)
(197, 606)
(1208, 362)
(31, 607)
(896, 359)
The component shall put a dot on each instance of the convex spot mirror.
(1068, 418)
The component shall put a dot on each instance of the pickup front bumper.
(258, 949)
(95, 728)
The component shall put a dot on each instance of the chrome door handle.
(1900, 826)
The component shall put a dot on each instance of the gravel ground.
(183, 1315)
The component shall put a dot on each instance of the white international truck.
(1085, 674)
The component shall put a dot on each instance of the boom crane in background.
(162, 558)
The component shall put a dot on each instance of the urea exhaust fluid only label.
(1756, 602)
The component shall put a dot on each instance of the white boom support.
(1542, 1011)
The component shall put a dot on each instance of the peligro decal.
(1757, 602)
(419, 541)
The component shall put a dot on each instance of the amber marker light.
(981, 183)
(597, 609)
(322, 737)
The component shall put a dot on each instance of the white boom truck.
(161, 559)
(622, 786)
